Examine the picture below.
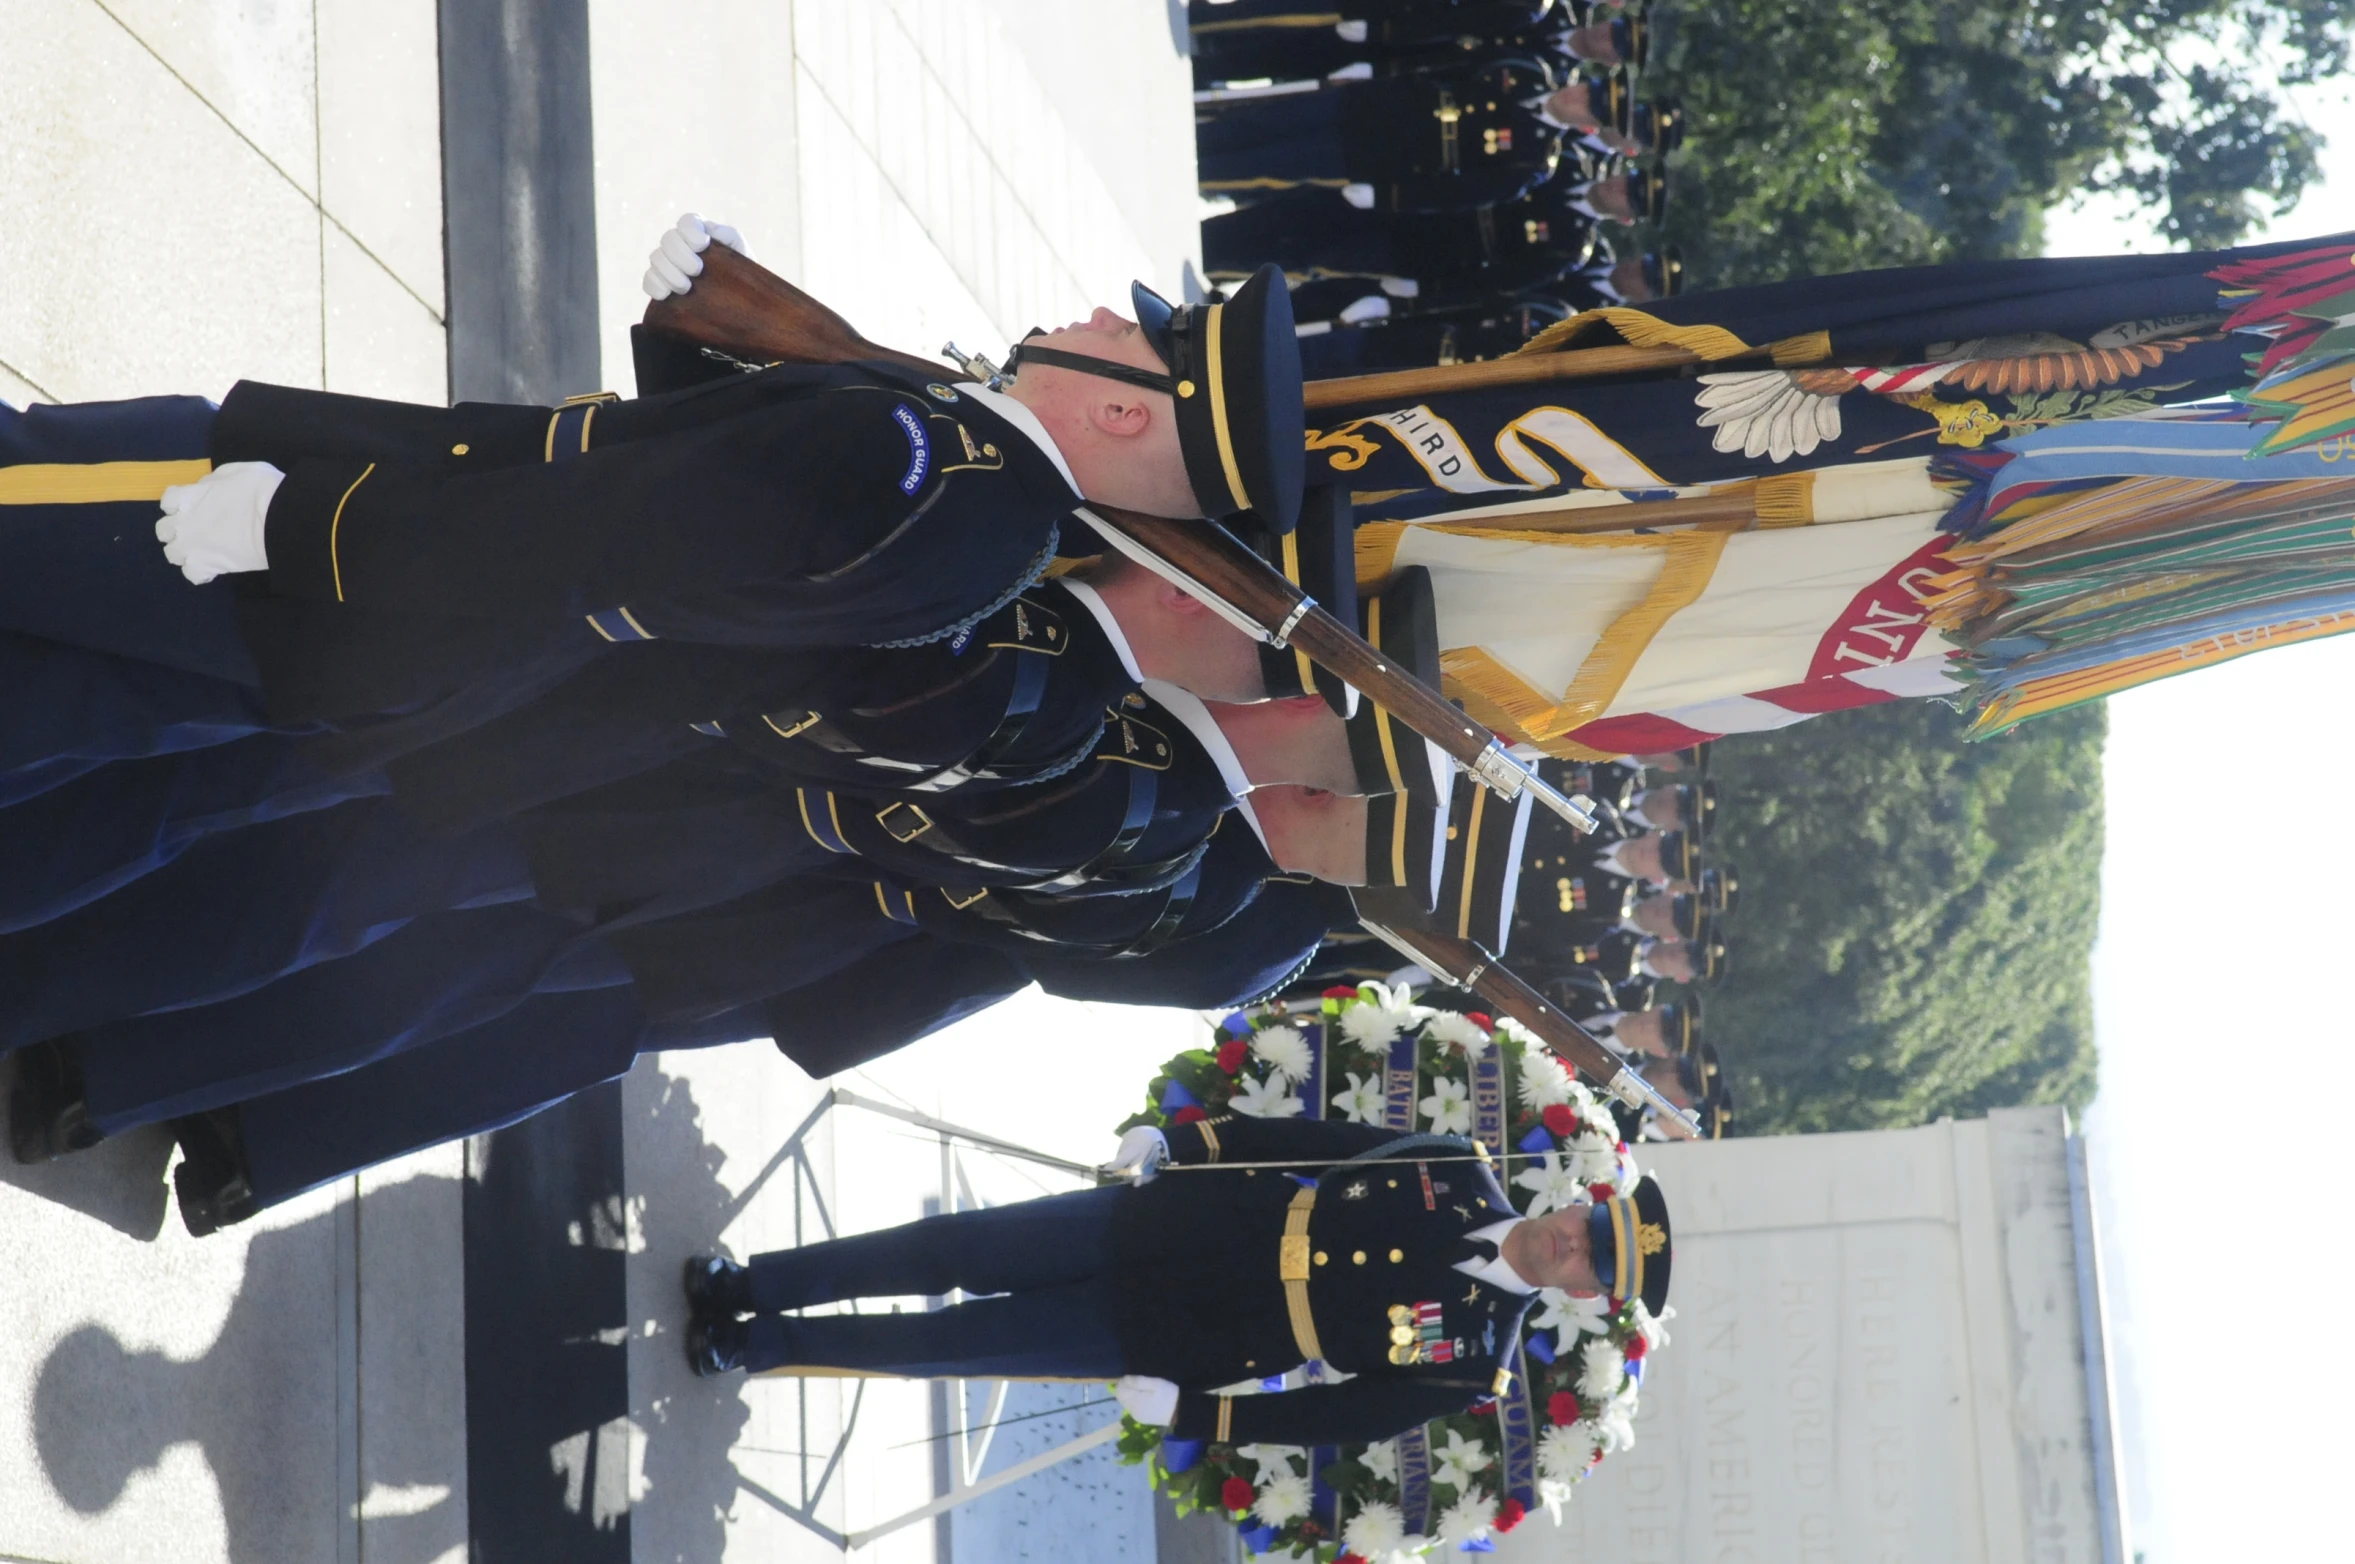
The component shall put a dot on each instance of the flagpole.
(1514, 369)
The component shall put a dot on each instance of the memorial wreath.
(1372, 1055)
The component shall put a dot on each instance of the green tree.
(1855, 133)
(1916, 919)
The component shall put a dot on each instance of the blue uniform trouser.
(479, 1080)
(1046, 1259)
(91, 836)
(241, 909)
(434, 977)
(1288, 140)
(80, 565)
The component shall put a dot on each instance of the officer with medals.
(1396, 1260)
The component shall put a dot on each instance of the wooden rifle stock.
(743, 309)
(1395, 919)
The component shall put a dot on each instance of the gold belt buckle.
(1292, 1258)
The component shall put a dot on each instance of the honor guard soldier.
(1607, 280)
(1721, 890)
(1466, 335)
(1434, 142)
(1401, 1264)
(1690, 807)
(1414, 260)
(1281, 40)
(398, 555)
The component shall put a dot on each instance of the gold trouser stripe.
(1292, 1266)
(335, 529)
(1295, 19)
(1226, 1420)
(819, 1371)
(1211, 332)
(1210, 1140)
(1471, 863)
(1398, 813)
(95, 483)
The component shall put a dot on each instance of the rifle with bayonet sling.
(1393, 918)
(745, 310)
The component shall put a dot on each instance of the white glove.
(1358, 195)
(1358, 311)
(214, 526)
(678, 260)
(1147, 1399)
(1142, 1151)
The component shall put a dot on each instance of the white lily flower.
(1268, 1099)
(1382, 1460)
(1653, 1326)
(1449, 1107)
(1556, 1183)
(1572, 1317)
(1269, 1457)
(1454, 1464)
(1364, 1100)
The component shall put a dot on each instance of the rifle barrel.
(1396, 922)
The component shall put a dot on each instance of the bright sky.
(2221, 1008)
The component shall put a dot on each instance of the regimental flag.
(1593, 645)
(1819, 371)
(1811, 592)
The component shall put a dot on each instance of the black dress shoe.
(47, 1113)
(716, 1347)
(213, 1182)
(717, 1287)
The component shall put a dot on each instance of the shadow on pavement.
(690, 1425)
(252, 1403)
(119, 1182)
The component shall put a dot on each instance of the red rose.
(1189, 1114)
(1561, 1407)
(1311, 1529)
(1560, 1121)
(1484, 1409)
(1486, 1025)
(1351, 1558)
(1231, 1055)
(1236, 1494)
(1508, 1515)
(1635, 1349)
(1343, 992)
(1602, 1192)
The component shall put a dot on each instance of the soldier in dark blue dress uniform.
(1400, 1263)
(1431, 142)
(1283, 40)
